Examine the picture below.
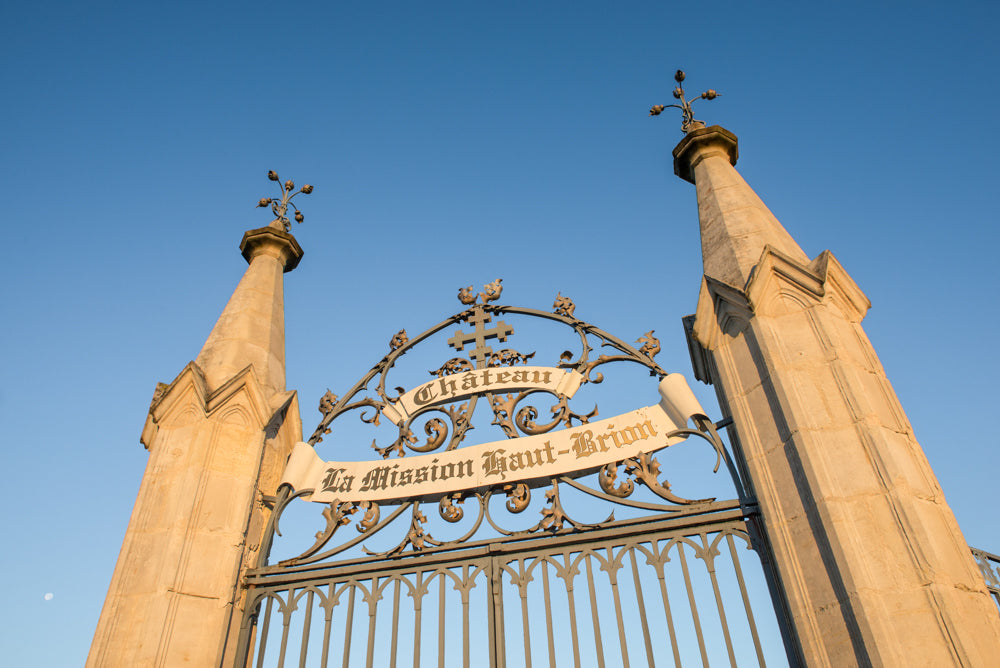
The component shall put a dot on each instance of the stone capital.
(273, 242)
(701, 143)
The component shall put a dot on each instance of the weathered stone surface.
(733, 218)
(198, 520)
(870, 559)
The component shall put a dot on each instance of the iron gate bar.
(746, 599)
(598, 643)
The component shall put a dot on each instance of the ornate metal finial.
(689, 123)
(563, 306)
(280, 207)
(491, 292)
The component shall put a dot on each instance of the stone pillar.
(870, 564)
(218, 437)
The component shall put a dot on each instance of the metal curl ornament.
(688, 122)
(279, 207)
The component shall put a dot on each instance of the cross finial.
(688, 123)
(480, 335)
(280, 207)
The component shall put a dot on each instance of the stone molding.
(700, 144)
(822, 280)
(273, 242)
(725, 311)
(190, 391)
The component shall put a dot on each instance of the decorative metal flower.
(688, 123)
(280, 206)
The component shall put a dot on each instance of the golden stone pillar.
(218, 437)
(870, 562)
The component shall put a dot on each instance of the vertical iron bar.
(525, 627)
(349, 626)
(694, 606)
(248, 635)
(441, 584)
(548, 613)
(264, 630)
(395, 624)
(501, 634)
(305, 629)
(746, 600)
(372, 610)
(613, 578)
(598, 642)
(418, 597)
(286, 619)
(722, 610)
(248, 663)
(327, 627)
(491, 614)
(571, 603)
(668, 614)
(466, 586)
(641, 603)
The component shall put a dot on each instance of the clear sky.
(451, 144)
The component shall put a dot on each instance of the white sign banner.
(570, 451)
(498, 379)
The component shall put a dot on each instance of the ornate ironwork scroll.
(397, 560)
(442, 425)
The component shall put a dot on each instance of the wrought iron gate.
(662, 584)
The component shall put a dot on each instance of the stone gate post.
(870, 563)
(218, 437)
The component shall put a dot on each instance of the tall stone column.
(218, 437)
(870, 563)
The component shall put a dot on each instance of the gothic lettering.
(424, 395)
(448, 386)
(378, 478)
(334, 481)
(494, 463)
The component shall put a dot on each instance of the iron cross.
(481, 353)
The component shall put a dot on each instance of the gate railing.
(667, 591)
(435, 558)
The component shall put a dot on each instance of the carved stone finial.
(688, 122)
(280, 206)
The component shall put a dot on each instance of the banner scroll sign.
(573, 451)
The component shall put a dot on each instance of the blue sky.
(451, 144)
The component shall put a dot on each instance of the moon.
(48, 596)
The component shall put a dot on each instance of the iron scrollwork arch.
(446, 424)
